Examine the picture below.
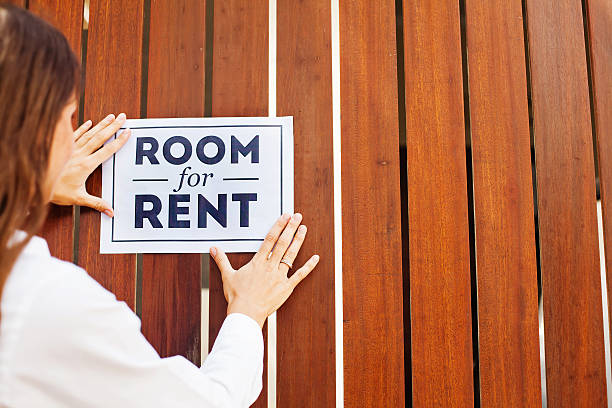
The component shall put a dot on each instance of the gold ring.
(286, 262)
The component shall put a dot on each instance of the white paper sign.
(184, 185)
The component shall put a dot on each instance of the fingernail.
(88, 123)
(285, 217)
(126, 132)
(213, 251)
(303, 228)
(297, 216)
(121, 117)
(316, 258)
(109, 213)
(109, 118)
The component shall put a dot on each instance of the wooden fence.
(427, 136)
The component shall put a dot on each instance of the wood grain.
(569, 253)
(239, 88)
(599, 20)
(20, 3)
(503, 206)
(437, 207)
(306, 321)
(68, 18)
(113, 82)
(171, 283)
(371, 213)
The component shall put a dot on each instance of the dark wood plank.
(503, 206)
(58, 231)
(171, 304)
(239, 88)
(569, 251)
(599, 19)
(113, 82)
(371, 213)
(437, 206)
(171, 283)
(305, 324)
(68, 18)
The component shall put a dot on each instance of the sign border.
(110, 245)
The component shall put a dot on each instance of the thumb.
(221, 260)
(97, 204)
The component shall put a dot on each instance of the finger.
(303, 272)
(222, 261)
(294, 248)
(99, 126)
(97, 204)
(272, 237)
(81, 130)
(103, 135)
(286, 237)
(109, 149)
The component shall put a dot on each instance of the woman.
(65, 340)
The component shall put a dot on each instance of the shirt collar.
(37, 245)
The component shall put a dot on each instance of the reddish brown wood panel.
(371, 212)
(68, 18)
(569, 253)
(171, 283)
(599, 14)
(305, 324)
(503, 206)
(239, 88)
(441, 337)
(20, 3)
(113, 82)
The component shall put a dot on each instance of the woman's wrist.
(249, 309)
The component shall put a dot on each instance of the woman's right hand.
(261, 286)
(88, 153)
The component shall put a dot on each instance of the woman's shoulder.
(52, 311)
(36, 270)
(48, 298)
(51, 289)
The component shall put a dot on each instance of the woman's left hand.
(88, 153)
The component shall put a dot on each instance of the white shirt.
(65, 341)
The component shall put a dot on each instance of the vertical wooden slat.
(571, 290)
(113, 82)
(305, 324)
(599, 13)
(68, 18)
(441, 338)
(171, 283)
(20, 3)
(371, 213)
(503, 206)
(239, 88)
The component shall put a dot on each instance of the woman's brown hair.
(39, 74)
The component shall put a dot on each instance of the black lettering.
(219, 213)
(244, 199)
(252, 147)
(141, 152)
(152, 215)
(174, 210)
(186, 154)
(220, 150)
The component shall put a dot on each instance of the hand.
(260, 287)
(87, 155)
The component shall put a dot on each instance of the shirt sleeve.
(79, 346)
